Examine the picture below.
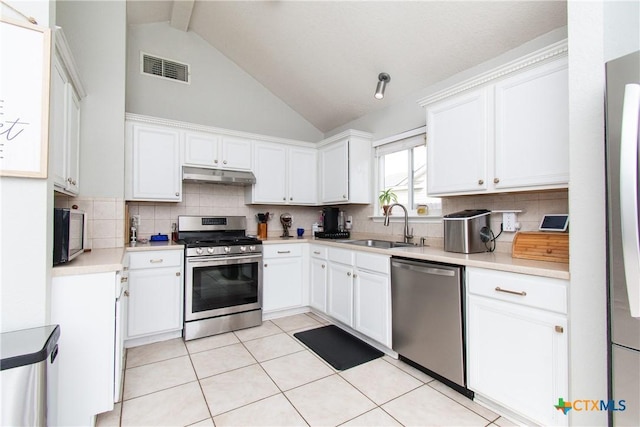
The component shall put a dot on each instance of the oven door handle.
(208, 259)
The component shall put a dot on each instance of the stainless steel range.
(223, 275)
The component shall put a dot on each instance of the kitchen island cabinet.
(517, 343)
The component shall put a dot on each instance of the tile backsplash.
(106, 216)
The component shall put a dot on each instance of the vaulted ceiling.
(323, 58)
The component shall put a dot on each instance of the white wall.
(25, 229)
(621, 28)
(96, 32)
(587, 293)
(221, 94)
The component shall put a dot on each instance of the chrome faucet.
(407, 236)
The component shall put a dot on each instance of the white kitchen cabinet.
(457, 137)
(372, 297)
(340, 292)
(155, 304)
(318, 278)
(345, 169)
(284, 175)
(283, 284)
(66, 91)
(510, 134)
(152, 163)
(532, 131)
(85, 308)
(217, 151)
(517, 342)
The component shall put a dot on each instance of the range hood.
(217, 176)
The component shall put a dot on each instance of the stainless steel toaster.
(462, 231)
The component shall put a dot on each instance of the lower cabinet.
(318, 278)
(517, 342)
(282, 280)
(359, 292)
(85, 308)
(155, 303)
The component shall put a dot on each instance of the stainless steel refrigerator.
(623, 248)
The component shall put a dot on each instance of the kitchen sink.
(381, 244)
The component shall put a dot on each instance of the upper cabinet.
(217, 151)
(66, 93)
(285, 174)
(152, 163)
(506, 130)
(345, 169)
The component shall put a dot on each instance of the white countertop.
(107, 260)
(491, 260)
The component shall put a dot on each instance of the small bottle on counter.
(174, 232)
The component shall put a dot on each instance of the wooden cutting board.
(541, 246)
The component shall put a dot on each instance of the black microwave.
(69, 234)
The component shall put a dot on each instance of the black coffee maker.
(330, 218)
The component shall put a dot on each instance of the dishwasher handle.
(422, 269)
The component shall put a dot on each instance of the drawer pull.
(156, 261)
(507, 291)
(316, 252)
(178, 274)
(284, 252)
(123, 279)
(559, 329)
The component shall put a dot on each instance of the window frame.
(396, 143)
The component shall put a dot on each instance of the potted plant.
(386, 197)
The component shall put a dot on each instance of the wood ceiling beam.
(181, 14)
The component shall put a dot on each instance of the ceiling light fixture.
(383, 79)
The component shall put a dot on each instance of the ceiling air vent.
(166, 68)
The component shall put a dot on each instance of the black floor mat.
(339, 348)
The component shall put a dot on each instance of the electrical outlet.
(509, 221)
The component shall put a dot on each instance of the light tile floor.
(263, 376)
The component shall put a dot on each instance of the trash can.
(29, 376)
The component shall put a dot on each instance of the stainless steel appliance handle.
(629, 195)
(208, 259)
(422, 269)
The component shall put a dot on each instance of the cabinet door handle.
(265, 265)
(355, 275)
(177, 194)
(124, 279)
(224, 161)
(126, 293)
(284, 198)
(344, 196)
(349, 273)
(322, 265)
(507, 291)
(284, 252)
(178, 274)
(215, 161)
(156, 261)
(480, 181)
(559, 329)
(290, 198)
(496, 180)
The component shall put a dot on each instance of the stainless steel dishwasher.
(427, 319)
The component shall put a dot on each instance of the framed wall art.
(24, 98)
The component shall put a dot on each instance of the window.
(402, 167)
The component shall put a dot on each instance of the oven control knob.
(227, 249)
(252, 248)
(243, 249)
(199, 251)
(210, 250)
